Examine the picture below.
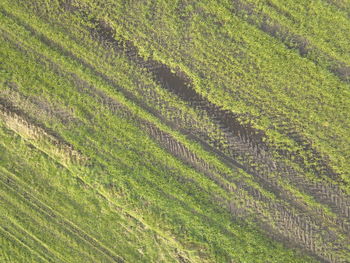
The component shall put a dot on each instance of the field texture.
(175, 131)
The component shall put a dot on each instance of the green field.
(175, 131)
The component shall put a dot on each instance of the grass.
(113, 166)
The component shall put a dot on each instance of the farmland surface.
(175, 131)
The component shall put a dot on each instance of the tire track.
(36, 106)
(172, 143)
(244, 143)
(171, 79)
(101, 195)
(10, 200)
(14, 120)
(291, 40)
(120, 209)
(278, 210)
(8, 235)
(43, 209)
(29, 239)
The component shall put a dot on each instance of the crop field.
(175, 131)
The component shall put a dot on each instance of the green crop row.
(127, 167)
(248, 81)
(51, 55)
(56, 187)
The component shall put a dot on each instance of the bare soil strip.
(293, 220)
(242, 142)
(291, 223)
(35, 134)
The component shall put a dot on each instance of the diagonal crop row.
(34, 133)
(301, 231)
(7, 234)
(37, 205)
(240, 140)
(172, 146)
(292, 40)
